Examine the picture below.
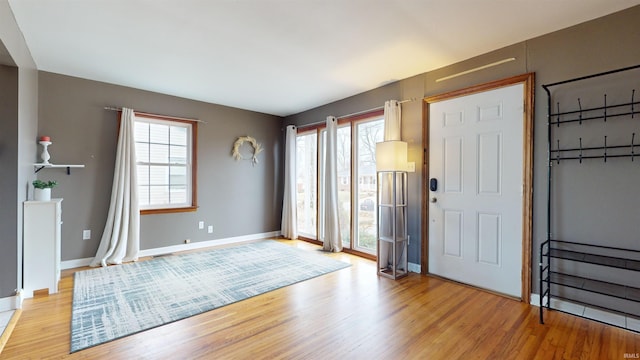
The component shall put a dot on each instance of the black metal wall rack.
(552, 250)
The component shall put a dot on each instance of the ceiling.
(279, 57)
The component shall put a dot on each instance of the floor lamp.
(391, 168)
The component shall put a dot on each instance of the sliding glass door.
(357, 199)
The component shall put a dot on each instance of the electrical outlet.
(201, 225)
(411, 166)
(86, 234)
(210, 229)
(186, 241)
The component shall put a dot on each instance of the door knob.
(433, 200)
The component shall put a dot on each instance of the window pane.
(344, 183)
(178, 154)
(158, 175)
(159, 153)
(306, 183)
(158, 133)
(142, 131)
(178, 135)
(368, 134)
(143, 175)
(178, 175)
(142, 152)
(178, 194)
(143, 195)
(159, 195)
(321, 180)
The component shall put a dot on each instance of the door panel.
(453, 233)
(490, 111)
(452, 162)
(489, 163)
(476, 150)
(489, 238)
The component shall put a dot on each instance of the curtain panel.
(332, 240)
(288, 227)
(392, 132)
(120, 240)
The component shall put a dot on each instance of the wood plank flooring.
(348, 314)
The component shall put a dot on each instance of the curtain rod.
(114, 108)
(357, 113)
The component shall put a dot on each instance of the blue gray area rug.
(116, 301)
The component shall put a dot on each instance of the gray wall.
(18, 125)
(603, 44)
(234, 196)
(8, 180)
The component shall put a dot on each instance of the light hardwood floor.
(348, 314)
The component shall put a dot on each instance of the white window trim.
(189, 203)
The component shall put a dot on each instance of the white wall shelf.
(40, 166)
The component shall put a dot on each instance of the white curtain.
(332, 240)
(392, 120)
(289, 214)
(121, 236)
(392, 131)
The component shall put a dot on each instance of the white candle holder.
(45, 152)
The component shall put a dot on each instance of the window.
(165, 152)
(357, 199)
(367, 134)
(306, 183)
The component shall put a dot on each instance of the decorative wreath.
(257, 148)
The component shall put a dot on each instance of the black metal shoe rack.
(602, 256)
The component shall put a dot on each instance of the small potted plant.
(42, 189)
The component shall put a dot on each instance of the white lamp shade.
(391, 156)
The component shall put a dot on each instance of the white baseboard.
(415, 268)
(11, 302)
(590, 312)
(535, 300)
(6, 304)
(209, 243)
(69, 264)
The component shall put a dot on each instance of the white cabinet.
(42, 222)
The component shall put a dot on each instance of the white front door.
(475, 213)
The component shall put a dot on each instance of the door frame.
(527, 169)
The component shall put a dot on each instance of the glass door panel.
(307, 184)
(344, 183)
(367, 134)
